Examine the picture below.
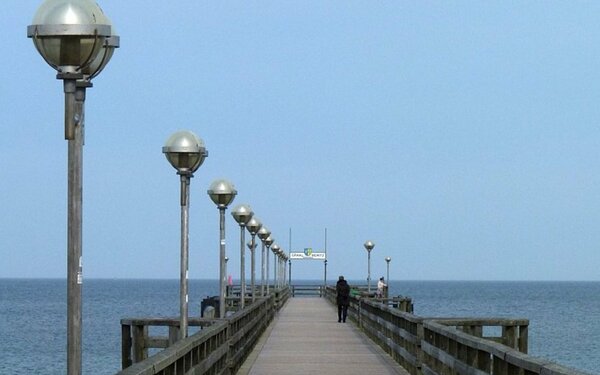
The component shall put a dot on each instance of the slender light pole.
(275, 249)
(226, 261)
(242, 214)
(263, 233)
(268, 242)
(186, 153)
(281, 271)
(369, 245)
(388, 260)
(222, 193)
(253, 227)
(251, 246)
(325, 263)
(76, 39)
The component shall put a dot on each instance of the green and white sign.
(308, 254)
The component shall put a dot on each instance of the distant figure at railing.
(381, 286)
(343, 298)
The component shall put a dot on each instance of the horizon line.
(300, 279)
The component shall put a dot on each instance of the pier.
(306, 338)
(282, 334)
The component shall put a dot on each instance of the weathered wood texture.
(219, 348)
(307, 290)
(449, 346)
(447, 350)
(306, 338)
(422, 346)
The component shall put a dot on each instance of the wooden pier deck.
(282, 335)
(307, 338)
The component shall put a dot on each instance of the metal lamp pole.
(242, 214)
(369, 245)
(226, 261)
(268, 242)
(275, 249)
(280, 271)
(186, 152)
(77, 40)
(263, 233)
(388, 260)
(222, 193)
(251, 247)
(253, 227)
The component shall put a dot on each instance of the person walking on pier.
(381, 285)
(343, 298)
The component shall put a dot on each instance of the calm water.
(564, 316)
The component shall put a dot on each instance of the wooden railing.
(307, 290)
(444, 346)
(220, 347)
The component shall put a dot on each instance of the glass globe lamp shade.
(222, 193)
(254, 225)
(268, 241)
(185, 151)
(242, 213)
(263, 233)
(69, 34)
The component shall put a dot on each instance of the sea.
(564, 316)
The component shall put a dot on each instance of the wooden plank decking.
(307, 338)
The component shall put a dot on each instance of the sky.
(462, 138)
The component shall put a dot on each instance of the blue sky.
(463, 138)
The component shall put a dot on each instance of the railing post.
(140, 352)
(420, 339)
(484, 361)
(499, 367)
(523, 338)
(125, 346)
(509, 336)
(359, 313)
(173, 334)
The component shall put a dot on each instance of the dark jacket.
(343, 292)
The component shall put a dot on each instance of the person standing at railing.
(381, 285)
(343, 298)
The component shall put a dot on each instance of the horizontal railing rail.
(220, 347)
(307, 290)
(441, 346)
(448, 350)
(137, 338)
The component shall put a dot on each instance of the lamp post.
(268, 242)
(275, 249)
(253, 227)
(186, 152)
(77, 40)
(226, 290)
(263, 233)
(278, 261)
(251, 247)
(222, 193)
(388, 260)
(280, 271)
(242, 214)
(325, 263)
(369, 245)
